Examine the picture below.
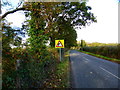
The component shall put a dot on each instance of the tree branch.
(9, 12)
(19, 4)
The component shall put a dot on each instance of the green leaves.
(108, 51)
(17, 41)
(57, 19)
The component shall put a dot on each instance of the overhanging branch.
(9, 12)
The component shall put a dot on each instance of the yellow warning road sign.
(59, 43)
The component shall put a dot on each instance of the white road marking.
(110, 73)
(86, 59)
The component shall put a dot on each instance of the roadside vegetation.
(106, 51)
(59, 77)
(32, 73)
(35, 63)
(101, 56)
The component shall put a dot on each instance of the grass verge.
(59, 77)
(103, 57)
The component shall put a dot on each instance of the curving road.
(91, 72)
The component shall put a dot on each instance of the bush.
(33, 69)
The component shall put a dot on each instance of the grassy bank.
(103, 57)
(59, 77)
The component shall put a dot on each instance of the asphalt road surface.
(91, 72)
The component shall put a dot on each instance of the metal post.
(60, 54)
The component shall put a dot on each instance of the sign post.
(59, 44)
(60, 54)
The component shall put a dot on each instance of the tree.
(40, 12)
(46, 20)
(53, 15)
(10, 36)
(72, 15)
(76, 13)
(83, 43)
(64, 31)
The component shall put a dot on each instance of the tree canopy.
(55, 20)
(58, 20)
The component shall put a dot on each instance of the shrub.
(32, 71)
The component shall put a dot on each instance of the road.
(91, 72)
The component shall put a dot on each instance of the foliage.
(34, 65)
(58, 19)
(9, 38)
(42, 60)
(77, 13)
(101, 56)
(83, 43)
(31, 73)
(108, 51)
(59, 77)
(36, 60)
(101, 44)
(65, 31)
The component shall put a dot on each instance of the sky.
(106, 28)
(104, 31)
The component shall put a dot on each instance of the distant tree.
(83, 43)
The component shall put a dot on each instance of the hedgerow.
(108, 51)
